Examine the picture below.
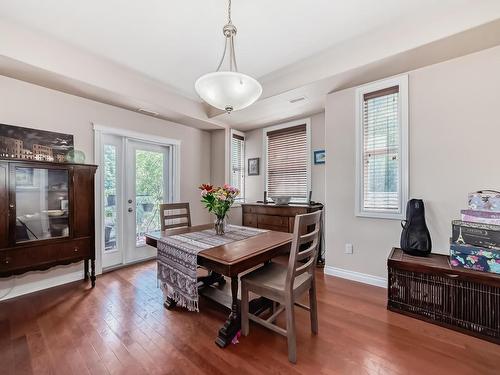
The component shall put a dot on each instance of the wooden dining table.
(230, 261)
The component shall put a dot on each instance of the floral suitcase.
(485, 200)
(475, 258)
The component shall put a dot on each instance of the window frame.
(291, 124)
(403, 191)
(241, 197)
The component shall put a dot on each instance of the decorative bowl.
(281, 200)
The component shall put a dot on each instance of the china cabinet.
(46, 216)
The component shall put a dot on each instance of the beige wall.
(454, 149)
(220, 167)
(254, 185)
(33, 106)
(218, 157)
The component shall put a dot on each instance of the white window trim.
(402, 82)
(237, 132)
(307, 122)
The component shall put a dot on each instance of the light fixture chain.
(229, 12)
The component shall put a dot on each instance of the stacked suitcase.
(475, 242)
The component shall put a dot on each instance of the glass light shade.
(228, 90)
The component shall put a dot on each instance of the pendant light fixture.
(228, 90)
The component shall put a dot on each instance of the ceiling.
(176, 41)
(287, 45)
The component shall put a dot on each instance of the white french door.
(136, 179)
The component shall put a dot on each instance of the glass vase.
(220, 225)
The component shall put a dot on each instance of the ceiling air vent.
(147, 112)
(299, 99)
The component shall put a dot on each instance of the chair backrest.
(305, 243)
(175, 215)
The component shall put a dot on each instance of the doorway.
(136, 177)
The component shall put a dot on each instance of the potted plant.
(148, 207)
(218, 200)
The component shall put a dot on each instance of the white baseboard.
(356, 276)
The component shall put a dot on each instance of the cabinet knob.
(12, 205)
(75, 249)
(6, 261)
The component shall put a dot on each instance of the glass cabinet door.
(42, 203)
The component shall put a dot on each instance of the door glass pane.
(42, 205)
(110, 207)
(149, 192)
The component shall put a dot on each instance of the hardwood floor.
(121, 327)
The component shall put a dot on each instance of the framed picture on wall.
(319, 157)
(253, 166)
(21, 143)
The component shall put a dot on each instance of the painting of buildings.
(31, 144)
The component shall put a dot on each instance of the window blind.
(381, 150)
(238, 164)
(287, 162)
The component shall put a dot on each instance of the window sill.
(381, 215)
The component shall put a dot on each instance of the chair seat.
(273, 276)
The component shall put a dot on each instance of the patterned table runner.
(177, 260)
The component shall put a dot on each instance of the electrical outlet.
(348, 248)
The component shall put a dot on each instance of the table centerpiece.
(218, 200)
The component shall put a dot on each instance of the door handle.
(130, 201)
(130, 209)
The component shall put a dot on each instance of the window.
(288, 161)
(382, 149)
(238, 164)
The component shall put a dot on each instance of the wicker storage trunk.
(428, 288)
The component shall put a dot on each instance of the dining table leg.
(233, 322)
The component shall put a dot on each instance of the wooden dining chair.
(177, 212)
(285, 285)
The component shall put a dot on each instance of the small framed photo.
(319, 157)
(253, 167)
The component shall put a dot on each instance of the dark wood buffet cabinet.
(274, 217)
(46, 216)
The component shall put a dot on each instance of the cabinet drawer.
(273, 220)
(37, 255)
(248, 209)
(275, 210)
(250, 220)
(277, 228)
(277, 223)
(73, 249)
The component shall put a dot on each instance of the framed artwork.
(253, 166)
(319, 157)
(21, 143)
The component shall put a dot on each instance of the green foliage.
(149, 189)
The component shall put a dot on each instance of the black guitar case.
(415, 238)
